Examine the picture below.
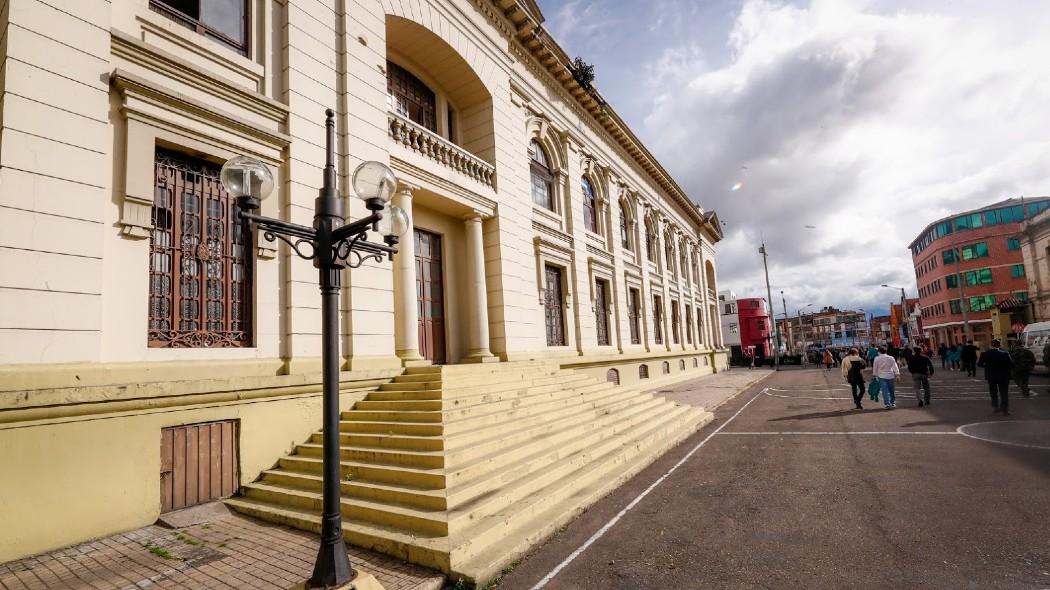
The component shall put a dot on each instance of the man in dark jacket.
(1024, 363)
(942, 352)
(997, 368)
(921, 369)
(969, 359)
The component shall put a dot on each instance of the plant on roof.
(582, 72)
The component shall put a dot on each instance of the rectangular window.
(1013, 244)
(675, 328)
(1021, 296)
(200, 267)
(982, 302)
(410, 97)
(699, 326)
(1017, 271)
(225, 21)
(973, 251)
(949, 256)
(634, 316)
(952, 281)
(688, 324)
(955, 305)
(979, 277)
(601, 311)
(658, 320)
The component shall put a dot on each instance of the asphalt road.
(791, 488)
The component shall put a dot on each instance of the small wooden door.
(430, 296)
(198, 463)
(554, 306)
(601, 312)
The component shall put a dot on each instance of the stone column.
(406, 315)
(477, 294)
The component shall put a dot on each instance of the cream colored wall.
(73, 479)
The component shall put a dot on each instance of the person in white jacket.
(885, 369)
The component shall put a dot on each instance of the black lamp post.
(332, 244)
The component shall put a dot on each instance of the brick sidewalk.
(229, 551)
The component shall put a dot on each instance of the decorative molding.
(423, 177)
(553, 236)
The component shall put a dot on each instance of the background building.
(1035, 250)
(139, 316)
(828, 327)
(972, 262)
(881, 329)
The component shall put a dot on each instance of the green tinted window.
(982, 302)
(1017, 270)
(949, 256)
(978, 250)
(955, 306)
(1013, 244)
(952, 281)
(979, 277)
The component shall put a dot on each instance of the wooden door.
(554, 306)
(601, 312)
(198, 463)
(430, 296)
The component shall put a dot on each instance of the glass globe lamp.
(374, 183)
(247, 179)
(394, 222)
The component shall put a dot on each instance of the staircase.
(463, 468)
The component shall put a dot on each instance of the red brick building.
(971, 262)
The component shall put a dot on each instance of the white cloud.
(863, 120)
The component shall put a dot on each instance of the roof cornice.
(526, 29)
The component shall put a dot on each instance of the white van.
(1035, 337)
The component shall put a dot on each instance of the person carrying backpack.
(828, 359)
(853, 373)
(921, 369)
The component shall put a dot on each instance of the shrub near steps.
(463, 468)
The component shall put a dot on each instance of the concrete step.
(423, 550)
(402, 457)
(487, 550)
(391, 428)
(431, 479)
(375, 491)
(386, 441)
(409, 520)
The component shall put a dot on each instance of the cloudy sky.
(865, 119)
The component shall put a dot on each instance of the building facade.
(881, 331)
(730, 319)
(1035, 250)
(135, 301)
(828, 327)
(969, 263)
(745, 325)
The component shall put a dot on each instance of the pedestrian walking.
(872, 353)
(954, 356)
(942, 352)
(853, 373)
(921, 369)
(828, 359)
(886, 371)
(969, 358)
(997, 366)
(1024, 363)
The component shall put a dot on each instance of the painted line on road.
(900, 395)
(963, 431)
(864, 432)
(612, 522)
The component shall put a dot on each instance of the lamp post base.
(363, 581)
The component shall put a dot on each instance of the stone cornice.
(522, 25)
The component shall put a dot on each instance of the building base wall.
(84, 462)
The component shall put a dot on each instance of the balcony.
(712, 295)
(434, 147)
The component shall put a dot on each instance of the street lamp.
(332, 244)
(904, 311)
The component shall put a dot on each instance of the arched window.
(681, 365)
(612, 376)
(542, 179)
(625, 232)
(669, 254)
(683, 262)
(590, 207)
(695, 363)
(410, 97)
(643, 371)
(667, 367)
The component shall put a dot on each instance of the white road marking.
(962, 430)
(921, 432)
(612, 522)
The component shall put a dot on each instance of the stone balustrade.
(439, 149)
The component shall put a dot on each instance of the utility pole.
(769, 300)
(960, 280)
(787, 321)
